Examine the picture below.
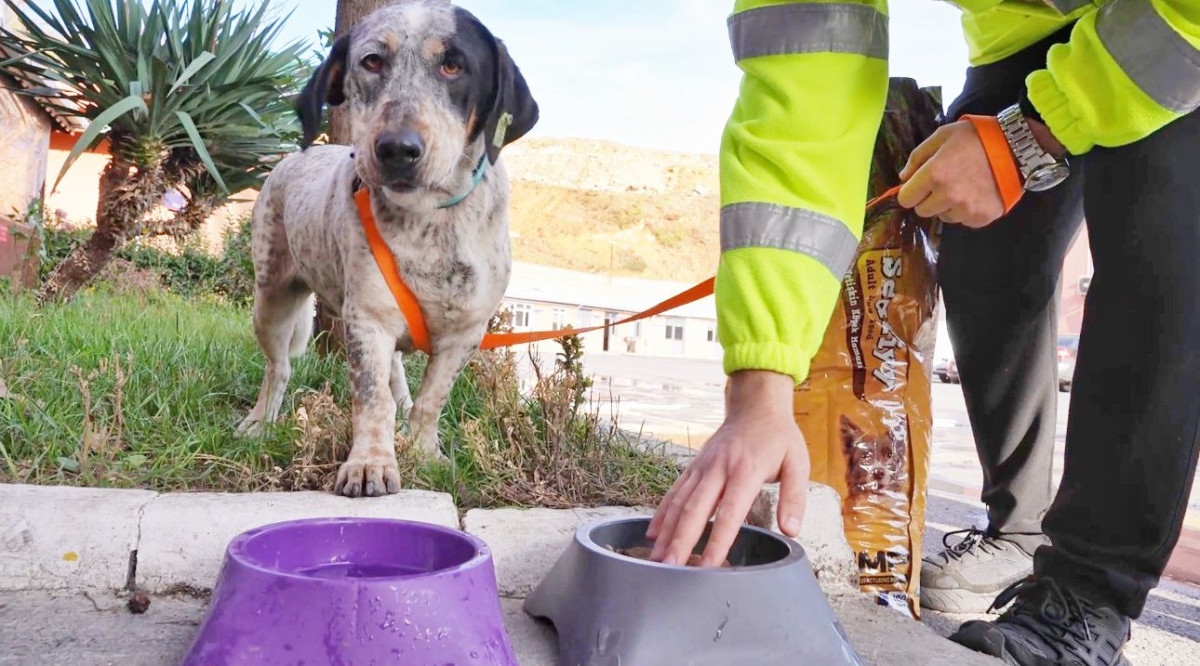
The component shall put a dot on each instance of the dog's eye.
(451, 68)
(373, 63)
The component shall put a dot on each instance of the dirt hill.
(580, 204)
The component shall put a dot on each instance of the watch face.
(1047, 177)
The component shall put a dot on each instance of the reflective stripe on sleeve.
(824, 238)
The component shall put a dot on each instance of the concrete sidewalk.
(65, 554)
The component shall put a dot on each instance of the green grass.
(143, 388)
(138, 389)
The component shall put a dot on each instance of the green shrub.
(192, 272)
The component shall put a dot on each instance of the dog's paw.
(368, 476)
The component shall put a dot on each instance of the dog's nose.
(401, 148)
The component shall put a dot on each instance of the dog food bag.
(865, 409)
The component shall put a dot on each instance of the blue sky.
(656, 73)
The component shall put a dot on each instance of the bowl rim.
(583, 537)
(235, 552)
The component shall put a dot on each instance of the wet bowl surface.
(336, 549)
(349, 591)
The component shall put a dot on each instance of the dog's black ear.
(513, 111)
(326, 86)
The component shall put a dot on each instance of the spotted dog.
(432, 97)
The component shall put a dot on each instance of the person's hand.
(948, 177)
(759, 443)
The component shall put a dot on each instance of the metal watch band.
(1025, 147)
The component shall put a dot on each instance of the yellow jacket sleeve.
(1129, 68)
(795, 161)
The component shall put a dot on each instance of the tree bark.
(126, 195)
(187, 221)
(331, 336)
(349, 14)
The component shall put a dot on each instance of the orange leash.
(494, 340)
(1002, 164)
(1000, 159)
(391, 274)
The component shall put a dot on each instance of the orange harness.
(1003, 166)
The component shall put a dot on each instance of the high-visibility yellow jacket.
(796, 151)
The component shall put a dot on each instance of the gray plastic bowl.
(614, 610)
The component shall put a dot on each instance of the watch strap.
(1025, 147)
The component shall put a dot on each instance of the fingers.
(914, 191)
(934, 205)
(739, 496)
(923, 153)
(793, 492)
(682, 488)
(693, 517)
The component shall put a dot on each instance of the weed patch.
(143, 388)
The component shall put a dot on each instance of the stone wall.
(24, 143)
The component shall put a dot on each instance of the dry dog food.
(865, 408)
(643, 553)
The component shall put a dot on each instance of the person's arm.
(1129, 68)
(795, 162)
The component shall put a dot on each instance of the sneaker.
(1048, 625)
(967, 576)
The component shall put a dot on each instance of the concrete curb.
(526, 543)
(57, 538)
(66, 538)
(168, 556)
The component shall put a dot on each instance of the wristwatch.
(1039, 170)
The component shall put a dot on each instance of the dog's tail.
(303, 326)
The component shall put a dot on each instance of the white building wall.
(647, 337)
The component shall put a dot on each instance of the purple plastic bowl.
(354, 591)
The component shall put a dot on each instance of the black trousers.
(1134, 419)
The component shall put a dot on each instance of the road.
(682, 400)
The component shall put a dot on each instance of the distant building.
(544, 298)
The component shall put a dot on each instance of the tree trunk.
(187, 221)
(126, 196)
(331, 335)
(349, 14)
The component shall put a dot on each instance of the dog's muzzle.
(398, 153)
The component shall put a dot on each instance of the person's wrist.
(1045, 138)
(759, 391)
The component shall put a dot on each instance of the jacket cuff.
(773, 356)
(1056, 112)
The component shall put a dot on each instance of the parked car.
(939, 369)
(1068, 349)
(946, 370)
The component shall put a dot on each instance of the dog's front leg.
(447, 361)
(371, 467)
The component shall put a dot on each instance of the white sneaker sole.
(958, 601)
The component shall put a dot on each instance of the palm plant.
(186, 93)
